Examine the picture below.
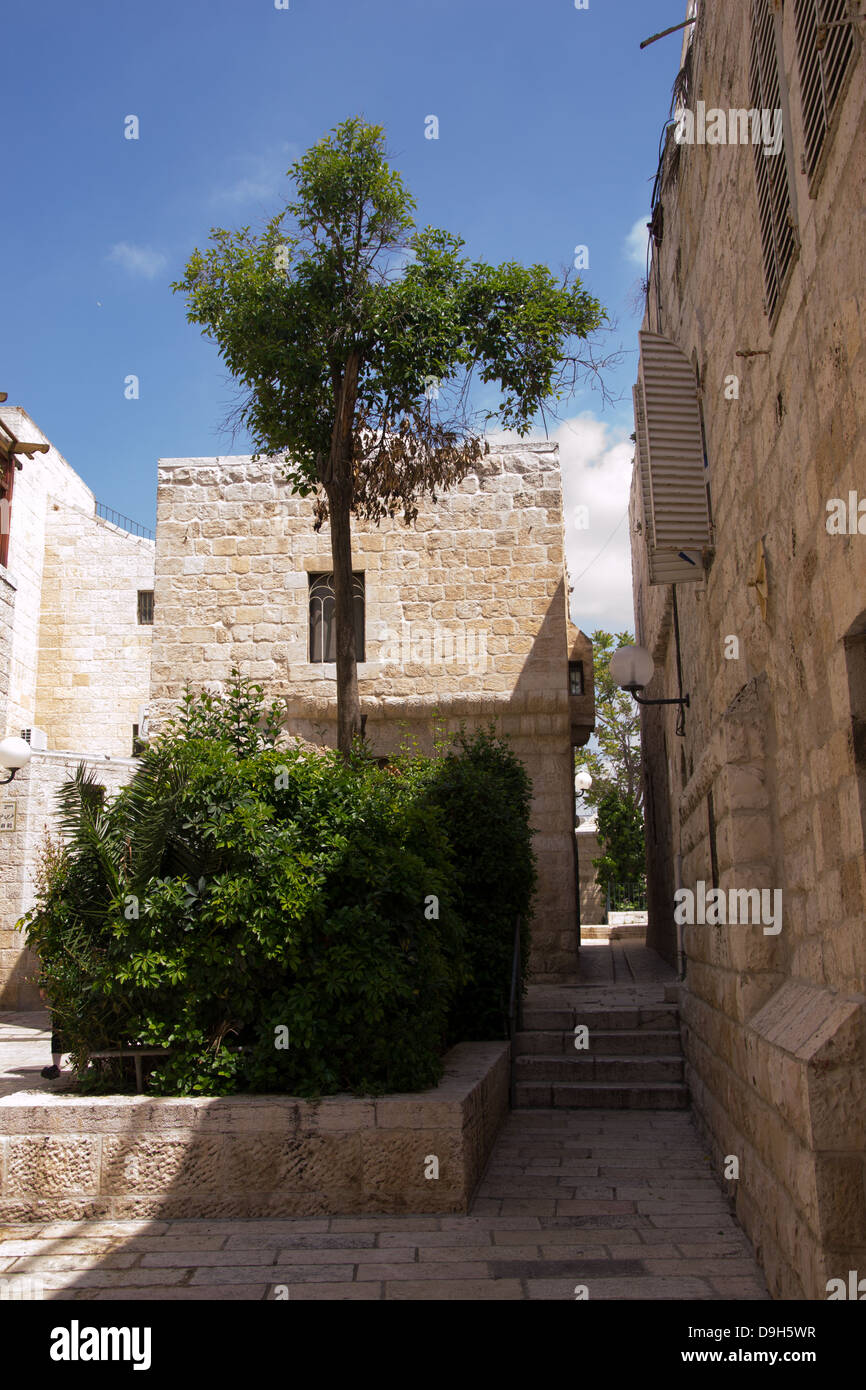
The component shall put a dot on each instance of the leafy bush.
(621, 837)
(235, 897)
(484, 793)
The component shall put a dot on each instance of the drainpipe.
(678, 876)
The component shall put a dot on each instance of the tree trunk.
(339, 486)
(348, 700)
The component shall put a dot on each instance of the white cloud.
(138, 260)
(634, 246)
(260, 177)
(596, 462)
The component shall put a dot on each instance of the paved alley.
(610, 1204)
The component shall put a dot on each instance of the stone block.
(176, 1163)
(48, 1166)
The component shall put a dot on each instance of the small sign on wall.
(8, 810)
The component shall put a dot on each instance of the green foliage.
(615, 762)
(234, 889)
(341, 303)
(484, 793)
(238, 715)
(621, 837)
(355, 338)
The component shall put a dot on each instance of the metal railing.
(515, 1011)
(626, 897)
(125, 523)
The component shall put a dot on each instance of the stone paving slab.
(623, 1202)
(649, 1232)
(25, 1048)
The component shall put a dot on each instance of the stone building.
(76, 607)
(749, 563)
(462, 617)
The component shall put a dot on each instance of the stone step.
(594, 1095)
(642, 1018)
(581, 1067)
(614, 931)
(606, 1042)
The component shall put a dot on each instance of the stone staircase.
(633, 1059)
(614, 931)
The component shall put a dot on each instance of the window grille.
(778, 241)
(323, 628)
(822, 70)
(145, 605)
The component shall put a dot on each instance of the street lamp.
(632, 668)
(14, 754)
(582, 783)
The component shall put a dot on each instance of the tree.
(621, 837)
(616, 765)
(345, 326)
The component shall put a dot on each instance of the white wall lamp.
(582, 784)
(632, 668)
(14, 754)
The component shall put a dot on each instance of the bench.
(137, 1053)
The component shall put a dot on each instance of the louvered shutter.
(778, 242)
(670, 457)
(663, 567)
(822, 71)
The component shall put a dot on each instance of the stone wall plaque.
(8, 811)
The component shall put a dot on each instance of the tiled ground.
(25, 1048)
(621, 1202)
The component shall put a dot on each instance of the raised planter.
(71, 1157)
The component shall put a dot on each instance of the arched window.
(323, 629)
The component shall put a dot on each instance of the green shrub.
(621, 837)
(484, 793)
(235, 896)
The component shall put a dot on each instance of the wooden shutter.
(671, 461)
(7, 481)
(778, 242)
(822, 71)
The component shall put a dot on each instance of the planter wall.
(69, 1157)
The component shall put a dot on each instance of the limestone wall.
(7, 611)
(592, 898)
(765, 789)
(94, 655)
(254, 1156)
(33, 793)
(74, 662)
(465, 618)
(40, 478)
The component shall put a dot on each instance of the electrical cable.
(603, 548)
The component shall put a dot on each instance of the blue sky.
(549, 123)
